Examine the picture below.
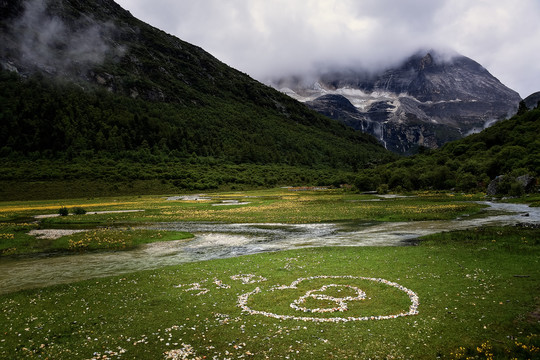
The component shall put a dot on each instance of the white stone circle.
(341, 302)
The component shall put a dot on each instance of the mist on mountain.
(36, 37)
(426, 100)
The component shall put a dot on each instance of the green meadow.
(456, 295)
(113, 219)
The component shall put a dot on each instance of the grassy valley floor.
(477, 294)
(456, 295)
(115, 218)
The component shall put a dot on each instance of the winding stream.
(214, 241)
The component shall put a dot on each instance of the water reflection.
(214, 241)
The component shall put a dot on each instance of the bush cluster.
(64, 211)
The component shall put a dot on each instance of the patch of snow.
(393, 196)
(288, 91)
(112, 212)
(383, 94)
(317, 86)
(347, 91)
(46, 216)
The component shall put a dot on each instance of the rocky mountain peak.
(427, 100)
(426, 61)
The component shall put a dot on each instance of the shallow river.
(213, 241)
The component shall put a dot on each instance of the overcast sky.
(270, 38)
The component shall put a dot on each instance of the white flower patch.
(249, 278)
(341, 302)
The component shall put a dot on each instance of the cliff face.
(426, 101)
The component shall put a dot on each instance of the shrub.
(364, 183)
(382, 189)
(63, 211)
(466, 182)
(516, 189)
(79, 211)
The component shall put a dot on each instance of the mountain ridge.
(145, 89)
(449, 96)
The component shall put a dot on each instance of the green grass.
(478, 294)
(17, 218)
(532, 199)
(15, 240)
(115, 239)
(477, 289)
(276, 205)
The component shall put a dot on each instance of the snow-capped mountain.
(426, 101)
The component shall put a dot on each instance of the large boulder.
(528, 182)
(493, 186)
(510, 185)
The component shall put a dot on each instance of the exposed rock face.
(532, 100)
(426, 101)
(399, 136)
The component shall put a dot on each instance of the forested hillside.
(53, 131)
(45, 118)
(87, 89)
(510, 147)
